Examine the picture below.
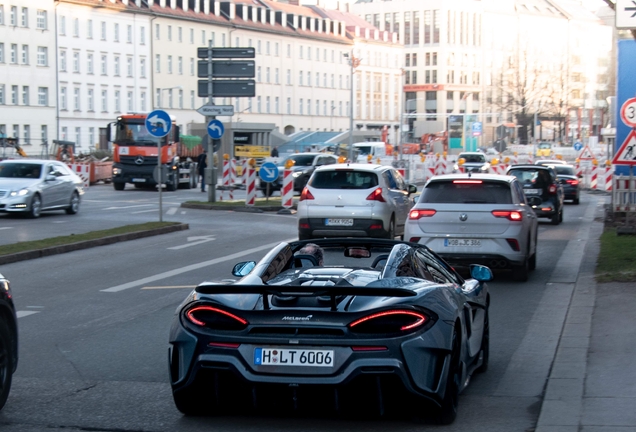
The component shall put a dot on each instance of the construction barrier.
(608, 178)
(251, 186)
(83, 170)
(288, 189)
(624, 194)
(594, 177)
(225, 179)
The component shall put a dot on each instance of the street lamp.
(353, 63)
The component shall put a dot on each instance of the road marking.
(144, 211)
(169, 287)
(172, 210)
(128, 207)
(21, 314)
(191, 267)
(195, 241)
(5, 228)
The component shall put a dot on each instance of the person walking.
(202, 164)
(274, 152)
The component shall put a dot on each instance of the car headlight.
(116, 171)
(21, 192)
(485, 167)
(296, 174)
(456, 167)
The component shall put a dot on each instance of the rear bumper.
(315, 227)
(493, 261)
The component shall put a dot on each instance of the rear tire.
(391, 232)
(119, 186)
(191, 402)
(555, 219)
(447, 412)
(173, 185)
(485, 345)
(576, 201)
(73, 207)
(6, 362)
(520, 273)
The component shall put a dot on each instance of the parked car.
(473, 162)
(542, 189)
(8, 340)
(354, 200)
(544, 149)
(303, 167)
(32, 186)
(570, 182)
(476, 219)
(382, 327)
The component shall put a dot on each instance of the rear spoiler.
(302, 291)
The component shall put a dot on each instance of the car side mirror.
(243, 268)
(50, 177)
(412, 189)
(481, 273)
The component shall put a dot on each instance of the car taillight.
(376, 195)
(552, 189)
(572, 182)
(306, 195)
(514, 244)
(390, 321)
(215, 318)
(417, 214)
(467, 181)
(508, 214)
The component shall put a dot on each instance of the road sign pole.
(211, 171)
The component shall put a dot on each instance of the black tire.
(561, 215)
(447, 412)
(520, 273)
(173, 185)
(391, 232)
(191, 402)
(485, 345)
(36, 207)
(73, 206)
(6, 362)
(575, 201)
(555, 219)
(119, 186)
(532, 262)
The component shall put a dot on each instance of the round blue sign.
(578, 146)
(215, 129)
(158, 123)
(268, 172)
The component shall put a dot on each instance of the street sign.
(626, 155)
(215, 129)
(227, 69)
(626, 14)
(268, 172)
(628, 112)
(228, 88)
(477, 129)
(202, 52)
(158, 123)
(578, 146)
(216, 110)
(586, 154)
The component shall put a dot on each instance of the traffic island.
(271, 204)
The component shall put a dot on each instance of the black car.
(303, 167)
(543, 190)
(570, 182)
(381, 326)
(8, 340)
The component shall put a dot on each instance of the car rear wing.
(303, 291)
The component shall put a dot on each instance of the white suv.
(354, 200)
(476, 219)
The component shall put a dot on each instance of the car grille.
(131, 160)
(3, 193)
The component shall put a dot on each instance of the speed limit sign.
(628, 112)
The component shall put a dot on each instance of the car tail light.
(514, 244)
(376, 227)
(467, 181)
(415, 239)
(417, 214)
(224, 345)
(552, 189)
(390, 321)
(215, 318)
(572, 182)
(369, 348)
(376, 195)
(303, 225)
(306, 195)
(508, 214)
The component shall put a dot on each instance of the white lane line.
(172, 210)
(191, 267)
(22, 314)
(169, 287)
(128, 207)
(5, 228)
(143, 211)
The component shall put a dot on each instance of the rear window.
(301, 160)
(344, 180)
(532, 177)
(473, 158)
(560, 169)
(447, 192)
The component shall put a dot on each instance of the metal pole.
(210, 177)
(160, 175)
(351, 108)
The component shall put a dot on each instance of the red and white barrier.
(608, 178)
(233, 175)
(594, 177)
(288, 189)
(82, 170)
(251, 187)
(225, 179)
(624, 194)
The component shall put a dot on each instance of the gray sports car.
(32, 186)
(387, 325)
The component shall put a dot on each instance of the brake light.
(223, 345)
(508, 214)
(572, 182)
(514, 244)
(369, 348)
(390, 321)
(376, 195)
(417, 214)
(552, 189)
(306, 195)
(467, 181)
(215, 318)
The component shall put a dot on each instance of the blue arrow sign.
(215, 129)
(477, 128)
(158, 123)
(268, 172)
(578, 146)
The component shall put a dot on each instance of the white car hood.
(17, 183)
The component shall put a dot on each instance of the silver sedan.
(32, 186)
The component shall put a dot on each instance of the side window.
(520, 193)
(331, 160)
(399, 180)
(389, 179)
(62, 169)
(436, 269)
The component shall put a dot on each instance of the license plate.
(533, 191)
(139, 180)
(339, 222)
(462, 242)
(293, 357)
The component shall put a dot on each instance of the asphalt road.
(94, 323)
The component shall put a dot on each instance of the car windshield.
(532, 177)
(561, 169)
(20, 170)
(477, 192)
(344, 179)
(134, 134)
(545, 145)
(473, 158)
(300, 160)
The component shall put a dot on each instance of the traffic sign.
(625, 14)
(477, 128)
(215, 129)
(628, 112)
(249, 52)
(158, 123)
(216, 110)
(268, 172)
(228, 88)
(227, 69)
(586, 154)
(626, 155)
(578, 146)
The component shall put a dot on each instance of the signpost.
(625, 14)
(158, 123)
(268, 173)
(216, 110)
(578, 146)
(215, 129)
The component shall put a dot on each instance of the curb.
(237, 208)
(55, 250)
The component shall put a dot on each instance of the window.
(191, 36)
(169, 32)
(90, 100)
(276, 106)
(142, 68)
(142, 99)
(267, 78)
(76, 62)
(129, 33)
(63, 105)
(333, 82)
(89, 29)
(89, 64)
(300, 52)
(116, 31)
(43, 57)
(25, 95)
(1, 14)
(276, 49)
(129, 66)
(14, 54)
(180, 65)
(191, 66)
(258, 74)
(129, 99)
(308, 106)
(14, 16)
(267, 108)
(64, 132)
(300, 107)
(276, 77)
(324, 80)
(2, 94)
(27, 134)
(288, 106)
(258, 104)
(258, 47)
(104, 65)
(288, 76)
(1, 52)
(25, 17)
(267, 48)
(158, 97)
(169, 64)
(158, 63)
(300, 78)
(180, 34)
(117, 66)
(91, 136)
(117, 101)
(76, 99)
(288, 50)
(317, 107)
(41, 21)
(192, 99)
(75, 27)
(142, 35)
(44, 133)
(16, 131)
(25, 54)
(309, 79)
(180, 99)
(78, 136)
(103, 34)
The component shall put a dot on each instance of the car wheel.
(555, 219)
(485, 345)
(561, 215)
(73, 207)
(391, 232)
(36, 206)
(191, 401)
(447, 412)
(173, 185)
(532, 263)
(520, 273)
(575, 200)
(6, 362)
(119, 186)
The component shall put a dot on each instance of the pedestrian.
(202, 163)
(274, 152)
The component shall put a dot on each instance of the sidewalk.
(592, 382)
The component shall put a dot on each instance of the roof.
(489, 177)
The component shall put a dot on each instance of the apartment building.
(27, 73)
